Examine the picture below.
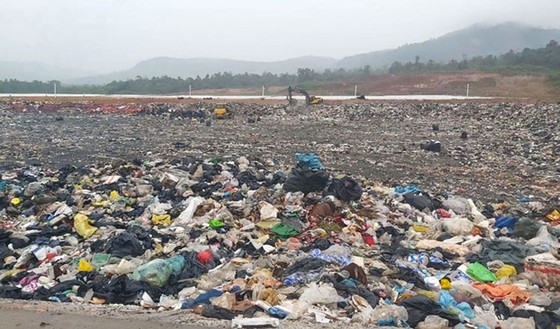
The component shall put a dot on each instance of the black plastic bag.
(419, 307)
(193, 267)
(346, 189)
(304, 179)
(419, 200)
(125, 244)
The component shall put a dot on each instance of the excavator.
(309, 100)
(222, 111)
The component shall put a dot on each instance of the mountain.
(469, 42)
(29, 71)
(174, 67)
(476, 40)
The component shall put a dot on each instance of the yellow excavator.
(309, 100)
(222, 111)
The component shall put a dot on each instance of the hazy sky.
(107, 35)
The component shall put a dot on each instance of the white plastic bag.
(186, 216)
(324, 294)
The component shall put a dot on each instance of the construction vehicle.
(309, 100)
(222, 111)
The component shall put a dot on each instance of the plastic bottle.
(240, 322)
(277, 313)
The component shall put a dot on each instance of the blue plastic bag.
(310, 160)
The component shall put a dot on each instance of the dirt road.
(34, 315)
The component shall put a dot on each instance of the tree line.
(543, 60)
(540, 60)
(169, 85)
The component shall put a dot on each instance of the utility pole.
(468, 87)
(263, 92)
(190, 90)
(356, 91)
(54, 89)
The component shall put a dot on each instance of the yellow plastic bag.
(15, 201)
(114, 195)
(420, 228)
(82, 226)
(103, 203)
(553, 215)
(84, 266)
(506, 271)
(445, 283)
(163, 220)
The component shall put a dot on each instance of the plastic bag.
(306, 180)
(506, 271)
(158, 271)
(216, 223)
(82, 226)
(114, 195)
(267, 211)
(389, 313)
(324, 294)
(518, 323)
(310, 160)
(458, 226)
(84, 266)
(346, 189)
(123, 267)
(507, 222)
(543, 241)
(163, 220)
(433, 322)
(481, 273)
(192, 204)
(485, 318)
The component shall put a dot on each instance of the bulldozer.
(222, 111)
(309, 100)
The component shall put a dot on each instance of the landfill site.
(128, 213)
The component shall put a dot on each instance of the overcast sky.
(108, 35)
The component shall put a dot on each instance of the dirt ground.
(480, 84)
(33, 315)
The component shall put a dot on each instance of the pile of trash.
(257, 243)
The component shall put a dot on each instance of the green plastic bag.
(284, 231)
(215, 223)
(480, 273)
(157, 272)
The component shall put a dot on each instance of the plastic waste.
(216, 223)
(458, 226)
(481, 273)
(310, 160)
(192, 203)
(157, 271)
(163, 220)
(433, 322)
(553, 215)
(543, 242)
(517, 323)
(324, 294)
(507, 222)
(506, 271)
(83, 227)
(241, 322)
(123, 267)
(84, 266)
(385, 315)
(267, 211)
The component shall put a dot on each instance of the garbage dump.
(259, 242)
(349, 214)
